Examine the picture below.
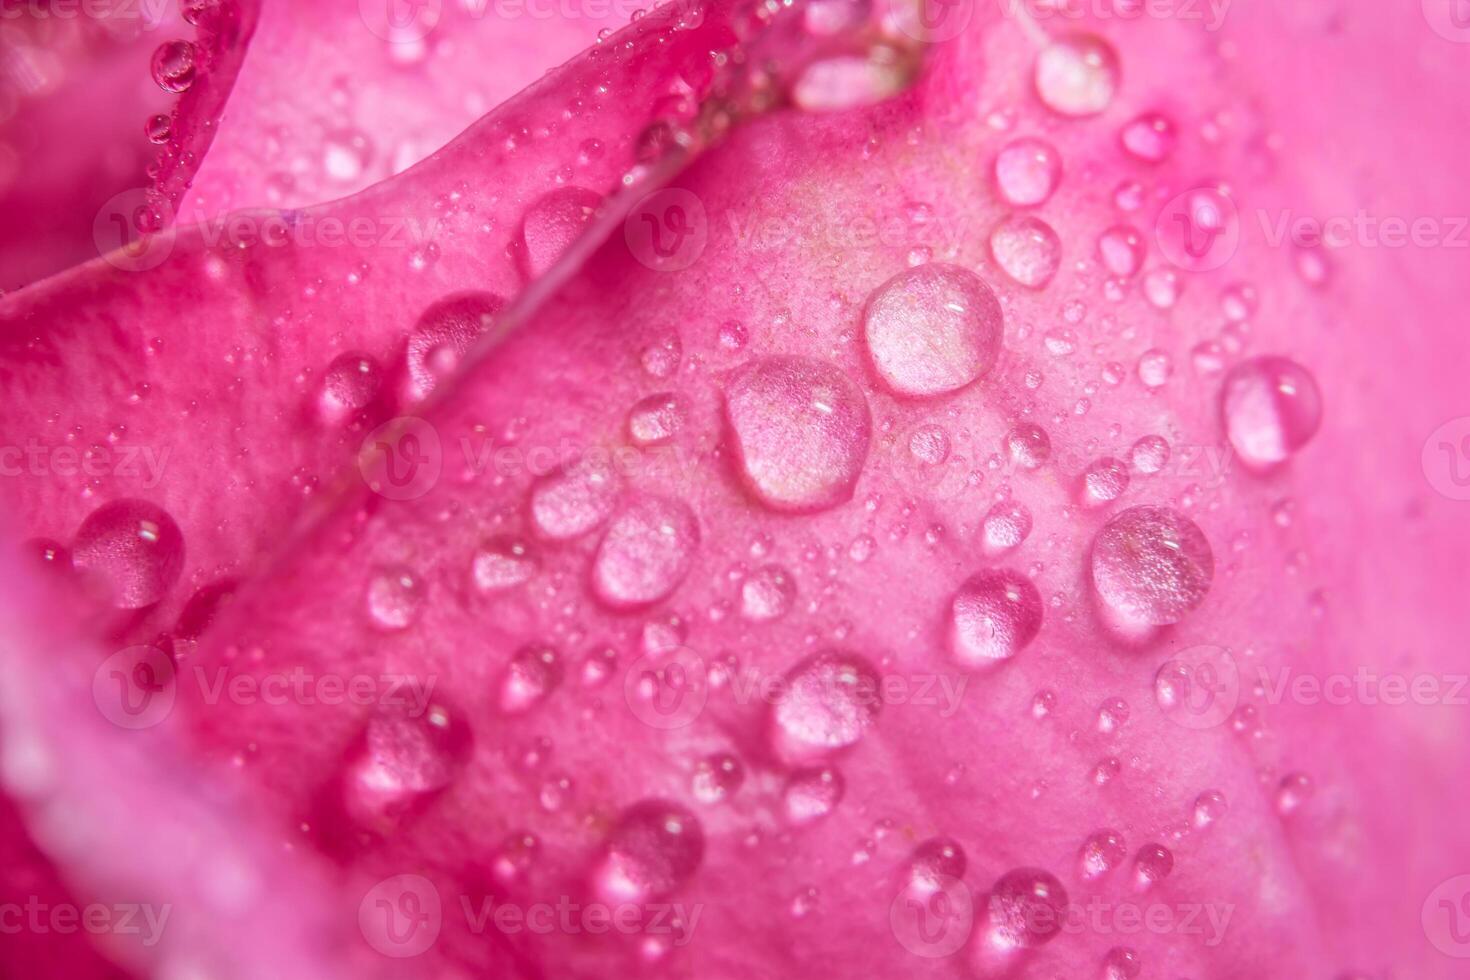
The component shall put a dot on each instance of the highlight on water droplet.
(933, 329)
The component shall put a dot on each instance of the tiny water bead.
(532, 674)
(401, 760)
(933, 329)
(1006, 526)
(1150, 137)
(1103, 851)
(444, 333)
(1027, 249)
(1121, 249)
(645, 553)
(935, 863)
(1295, 789)
(1025, 909)
(552, 224)
(1028, 445)
(1077, 75)
(800, 430)
(992, 617)
(1270, 407)
(827, 703)
(811, 794)
(1112, 715)
(394, 597)
(1104, 481)
(716, 778)
(502, 563)
(1150, 454)
(133, 548)
(173, 66)
(656, 419)
(767, 594)
(1027, 172)
(654, 847)
(1151, 565)
(575, 499)
(350, 384)
(1151, 865)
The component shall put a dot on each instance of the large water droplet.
(133, 548)
(933, 329)
(1027, 249)
(1270, 407)
(827, 702)
(811, 794)
(992, 617)
(800, 430)
(1077, 75)
(575, 499)
(645, 553)
(1025, 909)
(767, 593)
(654, 848)
(1151, 565)
(552, 224)
(1027, 172)
(444, 332)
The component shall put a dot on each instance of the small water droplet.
(1121, 249)
(933, 329)
(1027, 172)
(1043, 704)
(394, 596)
(1104, 481)
(1295, 789)
(133, 549)
(1161, 287)
(1103, 851)
(1151, 865)
(1150, 137)
(811, 794)
(442, 336)
(1077, 75)
(827, 703)
(992, 617)
(1270, 407)
(1121, 963)
(532, 674)
(1209, 806)
(1152, 565)
(1112, 715)
(1027, 249)
(575, 499)
(645, 553)
(502, 563)
(1025, 909)
(767, 593)
(1149, 454)
(552, 224)
(1028, 445)
(173, 66)
(717, 777)
(656, 419)
(350, 384)
(654, 847)
(1006, 526)
(400, 762)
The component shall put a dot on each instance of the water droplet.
(717, 777)
(1043, 704)
(1112, 715)
(767, 594)
(1028, 445)
(173, 66)
(1150, 454)
(654, 847)
(573, 500)
(733, 335)
(656, 419)
(502, 563)
(532, 674)
(1151, 865)
(845, 81)
(1104, 481)
(442, 336)
(933, 329)
(1006, 525)
(1077, 75)
(401, 761)
(158, 128)
(133, 549)
(1025, 909)
(350, 384)
(345, 155)
(1239, 302)
(1161, 288)
(1027, 249)
(929, 444)
(552, 224)
(394, 596)
(1106, 768)
(801, 431)
(826, 704)
(1150, 137)
(1121, 963)
(515, 857)
(1121, 249)
(1209, 806)
(645, 553)
(1027, 172)
(1103, 851)
(935, 863)
(1295, 789)
(1271, 407)
(1152, 565)
(992, 617)
(811, 794)
(661, 358)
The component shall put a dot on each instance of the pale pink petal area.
(815, 645)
